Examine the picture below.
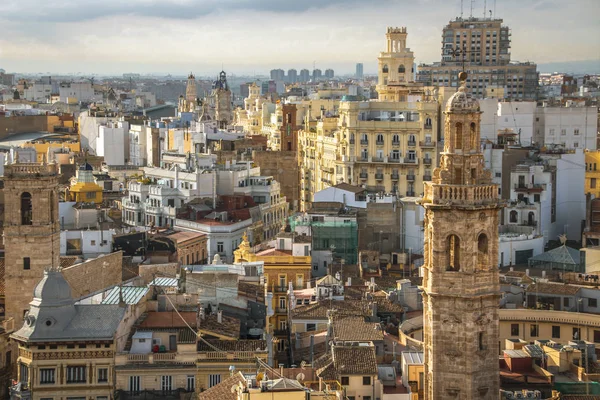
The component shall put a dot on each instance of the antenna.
(461, 9)
(471, 16)
(484, 7)
(494, 8)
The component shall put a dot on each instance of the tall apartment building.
(483, 46)
(277, 74)
(329, 73)
(359, 70)
(304, 75)
(292, 76)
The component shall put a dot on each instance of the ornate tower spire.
(461, 281)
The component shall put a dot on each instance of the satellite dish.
(300, 377)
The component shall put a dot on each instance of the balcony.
(177, 394)
(363, 175)
(395, 177)
(410, 194)
(130, 204)
(352, 141)
(428, 126)
(412, 143)
(426, 178)
(379, 177)
(427, 144)
(427, 161)
(377, 159)
(394, 160)
(408, 160)
(410, 177)
(395, 143)
(530, 187)
(379, 142)
(365, 142)
(529, 223)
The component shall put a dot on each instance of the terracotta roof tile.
(67, 261)
(222, 391)
(355, 360)
(232, 345)
(341, 307)
(228, 327)
(553, 288)
(356, 329)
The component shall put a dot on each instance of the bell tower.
(31, 231)
(461, 281)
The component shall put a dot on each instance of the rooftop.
(554, 288)
(356, 329)
(169, 319)
(228, 327)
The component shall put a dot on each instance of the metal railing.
(379, 176)
(412, 143)
(410, 177)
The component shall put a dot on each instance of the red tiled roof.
(169, 319)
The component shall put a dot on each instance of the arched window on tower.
(453, 253)
(513, 216)
(458, 136)
(482, 251)
(26, 209)
(473, 136)
(401, 69)
(384, 69)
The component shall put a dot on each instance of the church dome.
(461, 101)
(53, 290)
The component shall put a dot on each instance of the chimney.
(220, 316)
(527, 272)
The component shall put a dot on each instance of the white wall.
(569, 119)
(112, 142)
(507, 249)
(340, 196)
(93, 242)
(570, 197)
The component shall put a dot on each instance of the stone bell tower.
(31, 231)
(461, 281)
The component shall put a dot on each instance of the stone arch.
(458, 135)
(514, 216)
(453, 253)
(483, 253)
(401, 69)
(384, 69)
(26, 209)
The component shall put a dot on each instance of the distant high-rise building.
(277, 74)
(304, 75)
(292, 76)
(359, 70)
(245, 89)
(317, 74)
(482, 45)
(329, 73)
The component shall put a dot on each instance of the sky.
(254, 36)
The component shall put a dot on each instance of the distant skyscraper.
(317, 74)
(304, 75)
(329, 73)
(245, 89)
(359, 70)
(277, 74)
(292, 76)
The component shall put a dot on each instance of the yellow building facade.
(85, 189)
(592, 173)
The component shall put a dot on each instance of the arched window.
(531, 219)
(384, 69)
(513, 216)
(428, 122)
(482, 251)
(401, 69)
(396, 139)
(458, 137)
(474, 144)
(26, 212)
(380, 139)
(453, 253)
(352, 138)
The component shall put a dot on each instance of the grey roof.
(284, 384)
(560, 255)
(413, 357)
(53, 315)
(164, 282)
(130, 294)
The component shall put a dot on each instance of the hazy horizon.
(248, 37)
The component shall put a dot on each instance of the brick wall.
(283, 166)
(148, 272)
(96, 274)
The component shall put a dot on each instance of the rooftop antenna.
(494, 8)
(471, 16)
(461, 9)
(484, 7)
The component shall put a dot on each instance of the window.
(311, 327)
(345, 380)
(513, 216)
(534, 330)
(102, 375)
(481, 341)
(220, 247)
(46, 376)
(536, 198)
(576, 333)
(514, 329)
(134, 384)
(191, 383)
(576, 131)
(566, 302)
(282, 282)
(366, 380)
(563, 132)
(166, 383)
(552, 132)
(306, 251)
(401, 69)
(555, 331)
(458, 136)
(453, 253)
(26, 263)
(593, 303)
(299, 281)
(214, 379)
(593, 183)
(26, 209)
(384, 69)
(498, 174)
(282, 303)
(76, 374)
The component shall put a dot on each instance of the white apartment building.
(70, 92)
(571, 127)
(89, 127)
(112, 142)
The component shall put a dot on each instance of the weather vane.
(460, 52)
